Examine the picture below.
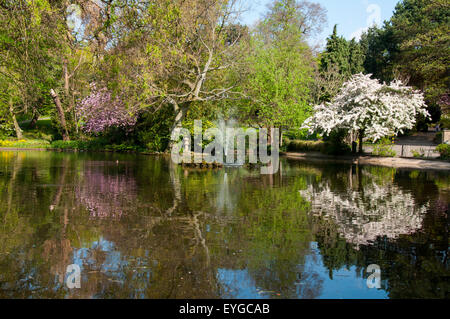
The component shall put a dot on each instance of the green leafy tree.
(281, 66)
(32, 41)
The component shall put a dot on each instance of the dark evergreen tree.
(356, 57)
(337, 53)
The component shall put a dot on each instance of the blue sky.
(352, 16)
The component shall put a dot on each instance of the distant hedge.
(304, 146)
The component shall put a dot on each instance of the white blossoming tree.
(369, 108)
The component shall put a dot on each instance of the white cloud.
(374, 18)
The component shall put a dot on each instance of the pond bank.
(395, 162)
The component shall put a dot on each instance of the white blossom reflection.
(362, 216)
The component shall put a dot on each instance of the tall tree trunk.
(16, 124)
(281, 137)
(66, 79)
(353, 142)
(62, 118)
(361, 138)
(67, 86)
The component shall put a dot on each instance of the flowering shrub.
(101, 110)
(366, 105)
(6, 143)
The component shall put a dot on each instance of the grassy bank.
(76, 145)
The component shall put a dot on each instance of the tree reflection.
(143, 228)
(379, 220)
(362, 217)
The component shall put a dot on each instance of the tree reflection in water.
(362, 217)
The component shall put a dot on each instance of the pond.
(141, 227)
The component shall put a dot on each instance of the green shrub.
(95, 145)
(65, 144)
(444, 150)
(123, 148)
(418, 154)
(384, 148)
(304, 146)
(6, 130)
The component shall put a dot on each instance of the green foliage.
(6, 127)
(335, 143)
(384, 148)
(153, 131)
(445, 122)
(279, 82)
(444, 150)
(418, 154)
(44, 130)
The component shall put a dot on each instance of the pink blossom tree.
(102, 110)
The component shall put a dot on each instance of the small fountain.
(223, 125)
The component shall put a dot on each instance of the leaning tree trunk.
(16, 124)
(361, 138)
(62, 118)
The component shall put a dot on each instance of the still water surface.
(140, 227)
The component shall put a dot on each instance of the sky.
(351, 16)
